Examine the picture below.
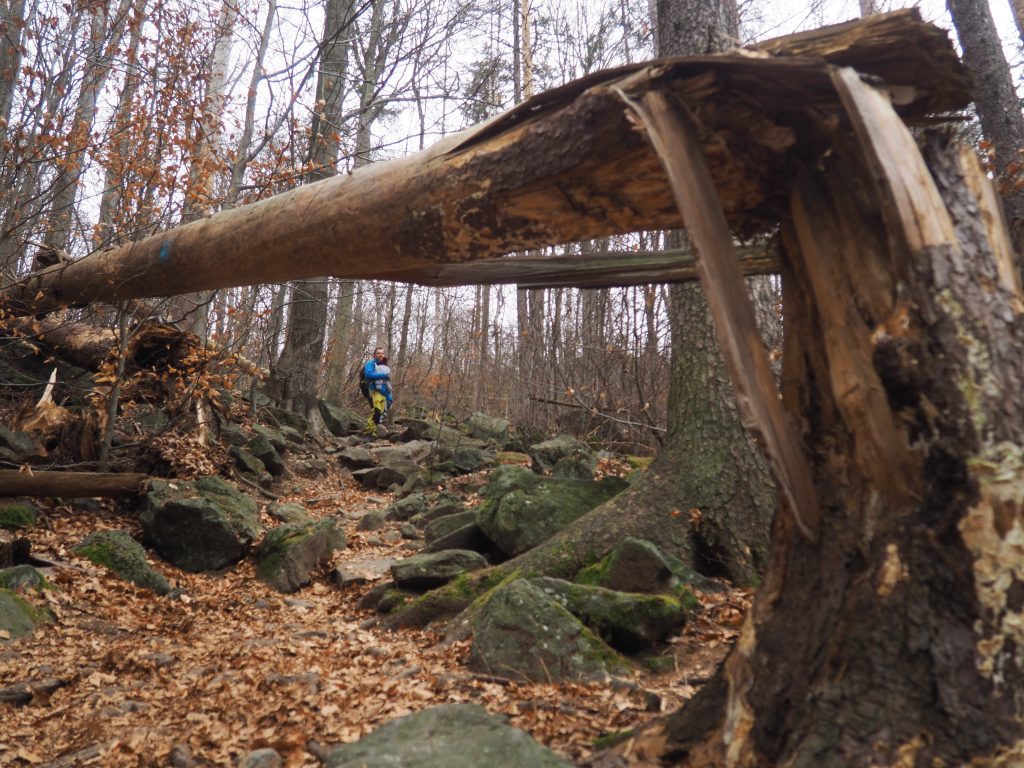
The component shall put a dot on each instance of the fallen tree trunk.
(562, 167)
(72, 485)
(598, 270)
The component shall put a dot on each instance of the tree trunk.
(295, 377)
(893, 640)
(997, 103)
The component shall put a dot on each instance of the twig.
(251, 484)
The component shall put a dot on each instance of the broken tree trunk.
(564, 166)
(894, 640)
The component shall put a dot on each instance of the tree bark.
(893, 640)
(71, 485)
(997, 103)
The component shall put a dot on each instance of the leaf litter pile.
(126, 678)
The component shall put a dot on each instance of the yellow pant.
(380, 404)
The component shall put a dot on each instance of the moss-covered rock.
(17, 514)
(18, 617)
(490, 428)
(199, 525)
(260, 447)
(547, 454)
(288, 513)
(521, 632)
(22, 577)
(522, 518)
(452, 736)
(628, 622)
(427, 571)
(289, 554)
(279, 418)
(637, 565)
(250, 466)
(118, 552)
(442, 526)
(340, 421)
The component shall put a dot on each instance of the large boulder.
(338, 420)
(288, 555)
(288, 512)
(421, 429)
(626, 621)
(395, 468)
(199, 525)
(522, 518)
(451, 736)
(356, 457)
(426, 571)
(19, 617)
(119, 553)
(488, 428)
(547, 454)
(523, 633)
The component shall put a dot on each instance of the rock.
(250, 466)
(636, 565)
(288, 555)
(412, 484)
(18, 617)
(489, 428)
(371, 521)
(288, 513)
(442, 526)
(579, 466)
(21, 577)
(340, 421)
(261, 758)
(523, 633)
(470, 537)
(546, 454)
(232, 434)
(467, 459)
(310, 468)
(199, 525)
(520, 519)
(451, 736)
(18, 447)
(431, 570)
(273, 436)
(260, 447)
(280, 418)
(384, 477)
(420, 508)
(391, 537)
(119, 553)
(15, 515)
(409, 531)
(356, 458)
(181, 757)
(359, 570)
(629, 622)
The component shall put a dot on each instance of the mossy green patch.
(21, 577)
(17, 514)
(609, 740)
(118, 552)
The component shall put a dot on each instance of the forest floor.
(231, 665)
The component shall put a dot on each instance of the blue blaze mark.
(165, 250)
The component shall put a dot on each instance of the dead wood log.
(596, 270)
(21, 694)
(564, 166)
(70, 485)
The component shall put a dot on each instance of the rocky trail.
(225, 668)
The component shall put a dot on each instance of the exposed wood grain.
(673, 133)
(598, 270)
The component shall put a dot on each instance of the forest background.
(121, 118)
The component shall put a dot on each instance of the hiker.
(378, 381)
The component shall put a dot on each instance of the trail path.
(232, 666)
